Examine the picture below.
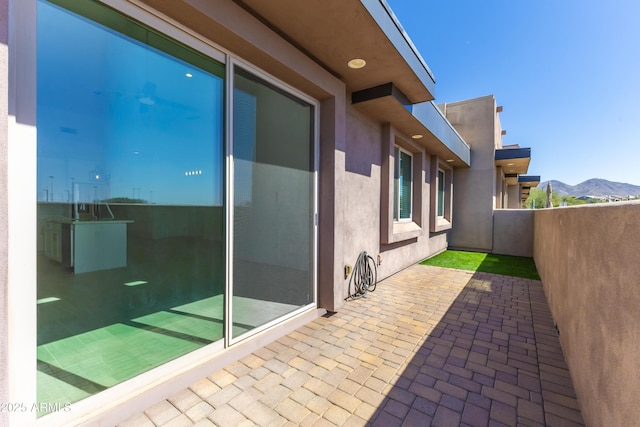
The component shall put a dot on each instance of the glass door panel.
(130, 200)
(274, 203)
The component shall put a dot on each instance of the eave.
(332, 32)
(387, 103)
(513, 160)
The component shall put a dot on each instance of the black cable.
(364, 276)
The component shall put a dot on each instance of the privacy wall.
(587, 258)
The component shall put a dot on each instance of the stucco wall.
(362, 210)
(472, 208)
(474, 188)
(587, 258)
(513, 232)
(513, 194)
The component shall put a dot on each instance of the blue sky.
(567, 73)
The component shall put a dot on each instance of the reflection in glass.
(130, 191)
(441, 189)
(273, 203)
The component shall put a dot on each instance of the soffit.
(529, 180)
(447, 145)
(511, 179)
(513, 160)
(514, 166)
(336, 31)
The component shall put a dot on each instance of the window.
(130, 198)
(441, 196)
(403, 185)
(401, 188)
(273, 203)
(441, 191)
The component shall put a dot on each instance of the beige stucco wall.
(474, 195)
(363, 210)
(587, 258)
(513, 195)
(513, 232)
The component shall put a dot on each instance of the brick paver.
(431, 346)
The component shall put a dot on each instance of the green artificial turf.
(487, 263)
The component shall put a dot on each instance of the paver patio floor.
(431, 346)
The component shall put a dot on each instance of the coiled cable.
(364, 276)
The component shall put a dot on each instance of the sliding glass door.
(148, 248)
(273, 203)
(131, 270)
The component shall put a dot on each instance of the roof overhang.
(511, 178)
(513, 160)
(387, 103)
(526, 183)
(333, 32)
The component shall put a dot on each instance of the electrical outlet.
(347, 270)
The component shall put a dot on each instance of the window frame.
(233, 63)
(441, 192)
(397, 185)
(439, 223)
(391, 229)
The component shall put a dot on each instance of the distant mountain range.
(592, 187)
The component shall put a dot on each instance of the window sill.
(405, 231)
(442, 224)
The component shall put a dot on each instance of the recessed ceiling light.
(189, 75)
(357, 63)
(449, 160)
(510, 164)
(416, 136)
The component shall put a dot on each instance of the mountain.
(592, 187)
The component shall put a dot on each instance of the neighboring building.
(496, 178)
(183, 182)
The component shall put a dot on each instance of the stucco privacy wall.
(4, 137)
(587, 258)
(513, 232)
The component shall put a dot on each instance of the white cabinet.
(87, 245)
(99, 245)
